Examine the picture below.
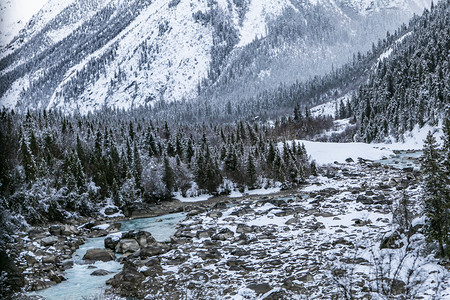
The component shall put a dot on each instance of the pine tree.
(434, 195)
(251, 171)
(168, 177)
(28, 162)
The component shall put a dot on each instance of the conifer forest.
(225, 149)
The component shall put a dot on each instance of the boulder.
(50, 259)
(220, 205)
(48, 241)
(69, 230)
(210, 254)
(260, 288)
(292, 221)
(128, 281)
(152, 267)
(240, 252)
(391, 241)
(233, 262)
(364, 200)
(214, 214)
(142, 237)
(100, 272)
(397, 287)
(99, 254)
(152, 250)
(56, 229)
(223, 235)
(243, 211)
(111, 243)
(12, 277)
(111, 210)
(202, 234)
(127, 245)
(114, 227)
(243, 228)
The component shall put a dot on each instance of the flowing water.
(404, 159)
(81, 285)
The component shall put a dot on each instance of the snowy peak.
(84, 54)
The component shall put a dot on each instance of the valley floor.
(352, 232)
(344, 236)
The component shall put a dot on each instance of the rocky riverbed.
(340, 236)
(345, 234)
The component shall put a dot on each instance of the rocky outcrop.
(96, 254)
(128, 282)
(127, 245)
(100, 272)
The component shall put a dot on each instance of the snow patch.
(14, 14)
(255, 22)
(199, 198)
(328, 153)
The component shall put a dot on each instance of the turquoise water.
(403, 160)
(81, 285)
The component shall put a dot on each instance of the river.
(81, 285)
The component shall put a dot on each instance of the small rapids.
(80, 284)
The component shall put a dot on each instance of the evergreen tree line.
(55, 166)
(412, 85)
(436, 196)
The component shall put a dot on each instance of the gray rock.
(364, 200)
(205, 233)
(48, 241)
(235, 262)
(292, 221)
(153, 250)
(243, 228)
(111, 210)
(306, 278)
(50, 259)
(220, 205)
(99, 254)
(240, 252)
(285, 212)
(56, 229)
(210, 254)
(397, 287)
(223, 235)
(127, 245)
(100, 272)
(391, 241)
(69, 230)
(214, 214)
(243, 211)
(128, 281)
(260, 288)
(111, 243)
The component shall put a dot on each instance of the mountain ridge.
(187, 48)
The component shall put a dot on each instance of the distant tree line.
(54, 166)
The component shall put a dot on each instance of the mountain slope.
(411, 84)
(79, 55)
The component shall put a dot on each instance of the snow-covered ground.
(199, 198)
(14, 14)
(413, 140)
(259, 13)
(310, 245)
(328, 153)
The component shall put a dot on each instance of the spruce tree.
(168, 177)
(28, 162)
(251, 171)
(435, 194)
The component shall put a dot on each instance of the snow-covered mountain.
(84, 54)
